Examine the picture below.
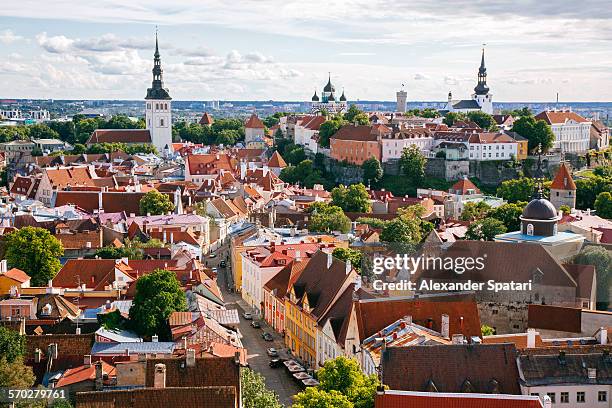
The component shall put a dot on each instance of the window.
(161, 122)
(602, 396)
(565, 397)
(580, 397)
(535, 394)
(529, 229)
(551, 395)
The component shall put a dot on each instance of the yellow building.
(13, 279)
(316, 290)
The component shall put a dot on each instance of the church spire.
(482, 88)
(157, 90)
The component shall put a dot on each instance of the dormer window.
(46, 310)
(530, 229)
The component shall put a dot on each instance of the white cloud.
(9, 37)
(420, 77)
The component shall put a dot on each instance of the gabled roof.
(17, 275)
(466, 104)
(219, 371)
(487, 367)
(360, 133)
(397, 399)
(277, 161)
(83, 373)
(560, 117)
(94, 273)
(206, 119)
(254, 123)
(120, 136)
(463, 187)
(563, 179)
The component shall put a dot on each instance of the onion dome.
(329, 87)
(331, 97)
(482, 88)
(315, 97)
(540, 209)
(342, 97)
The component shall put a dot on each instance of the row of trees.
(225, 131)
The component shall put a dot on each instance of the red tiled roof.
(395, 399)
(558, 318)
(206, 119)
(95, 273)
(277, 161)
(254, 122)
(362, 133)
(563, 179)
(204, 164)
(84, 373)
(559, 117)
(120, 136)
(463, 185)
(198, 396)
(17, 275)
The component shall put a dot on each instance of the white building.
(572, 131)
(40, 115)
(158, 109)
(394, 144)
(492, 146)
(481, 100)
(306, 130)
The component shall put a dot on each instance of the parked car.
(222, 264)
(255, 324)
(247, 316)
(275, 363)
(267, 336)
(272, 352)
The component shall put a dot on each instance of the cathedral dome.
(331, 97)
(315, 97)
(342, 97)
(540, 209)
(329, 87)
(481, 89)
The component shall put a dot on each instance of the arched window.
(529, 229)
(161, 122)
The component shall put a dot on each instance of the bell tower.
(481, 92)
(158, 109)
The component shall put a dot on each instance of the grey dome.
(540, 209)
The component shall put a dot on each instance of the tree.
(328, 129)
(537, 132)
(254, 391)
(304, 173)
(344, 375)
(483, 119)
(413, 164)
(158, 294)
(515, 190)
(15, 374)
(372, 222)
(603, 205)
(35, 251)
(315, 398)
(485, 230)
(565, 209)
(401, 230)
(473, 211)
(348, 254)
(487, 330)
(42, 131)
(509, 214)
(227, 137)
(452, 117)
(588, 188)
(351, 112)
(354, 198)
(294, 154)
(326, 218)
(372, 171)
(12, 344)
(601, 259)
(155, 203)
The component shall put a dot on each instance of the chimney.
(159, 381)
(547, 402)
(329, 260)
(171, 237)
(190, 359)
(458, 339)
(237, 358)
(99, 376)
(445, 329)
(603, 335)
(531, 338)
(357, 283)
(87, 360)
(348, 266)
(3, 266)
(155, 338)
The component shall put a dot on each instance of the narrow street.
(277, 379)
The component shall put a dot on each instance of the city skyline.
(238, 52)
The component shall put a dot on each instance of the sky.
(283, 50)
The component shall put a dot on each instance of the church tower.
(158, 110)
(401, 97)
(481, 92)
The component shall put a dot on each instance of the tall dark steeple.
(157, 90)
(482, 88)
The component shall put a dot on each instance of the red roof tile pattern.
(463, 186)
(84, 373)
(277, 161)
(392, 399)
(135, 136)
(563, 179)
(254, 122)
(17, 275)
(559, 117)
(206, 119)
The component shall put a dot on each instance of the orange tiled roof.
(559, 117)
(563, 179)
(254, 122)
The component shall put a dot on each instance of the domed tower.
(315, 97)
(328, 90)
(540, 216)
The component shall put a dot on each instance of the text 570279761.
(24, 394)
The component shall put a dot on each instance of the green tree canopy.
(344, 375)
(42, 131)
(328, 129)
(158, 294)
(451, 117)
(473, 211)
(326, 218)
(315, 398)
(401, 230)
(304, 173)
(485, 230)
(602, 260)
(12, 344)
(537, 132)
(413, 164)
(155, 203)
(354, 198)
(588, 188)
(35, 251)
(603, 205)
(509, 214)
(483, 119)
(254, 391)
(15, 374)
(348, 254)
(372, 171)
(515, 190)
